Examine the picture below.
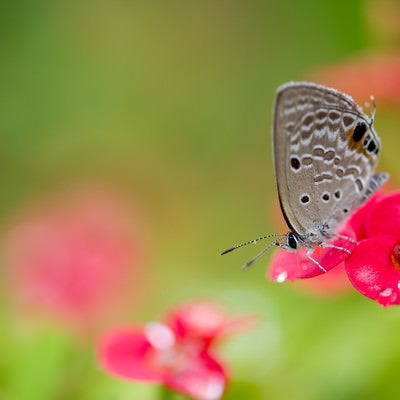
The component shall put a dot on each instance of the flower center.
(396, 256)
(167, 354)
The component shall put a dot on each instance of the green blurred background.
(169, 102)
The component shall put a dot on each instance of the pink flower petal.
(360, 216)
(204, 379)
(384, 216)
(200, 318)
(284, 266)
(125, 351)
(129, 352)
(372, 272)
(288, 265)
(204, 321)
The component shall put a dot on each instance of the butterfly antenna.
(259, 255)
(251, 242)
(372, 111)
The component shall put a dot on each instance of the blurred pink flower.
(74, 255)
(177, 353)
(205, 322)
(377, 75)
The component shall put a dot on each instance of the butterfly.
(325, 150)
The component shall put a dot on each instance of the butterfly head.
(291, 241)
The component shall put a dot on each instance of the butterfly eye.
(292, 241)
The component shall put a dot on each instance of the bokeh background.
(140, 132)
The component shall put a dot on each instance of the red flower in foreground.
(176, 353)
(288, 265)
(72, 256)
(373, 267)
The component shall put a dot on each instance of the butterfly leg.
(332, 246)
(308, 254)
(349, 239)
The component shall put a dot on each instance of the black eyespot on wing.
(295, 163)
(325, 197)
(359, 131)
(371, 147)
(338, 194)
(366, 141)
(305, 198)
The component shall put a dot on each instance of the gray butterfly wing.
(325, 152)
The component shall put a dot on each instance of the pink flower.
(177, 353)
(381, 72)
(288, 265)
(72, 256)
(374, 266)
(205, 322)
